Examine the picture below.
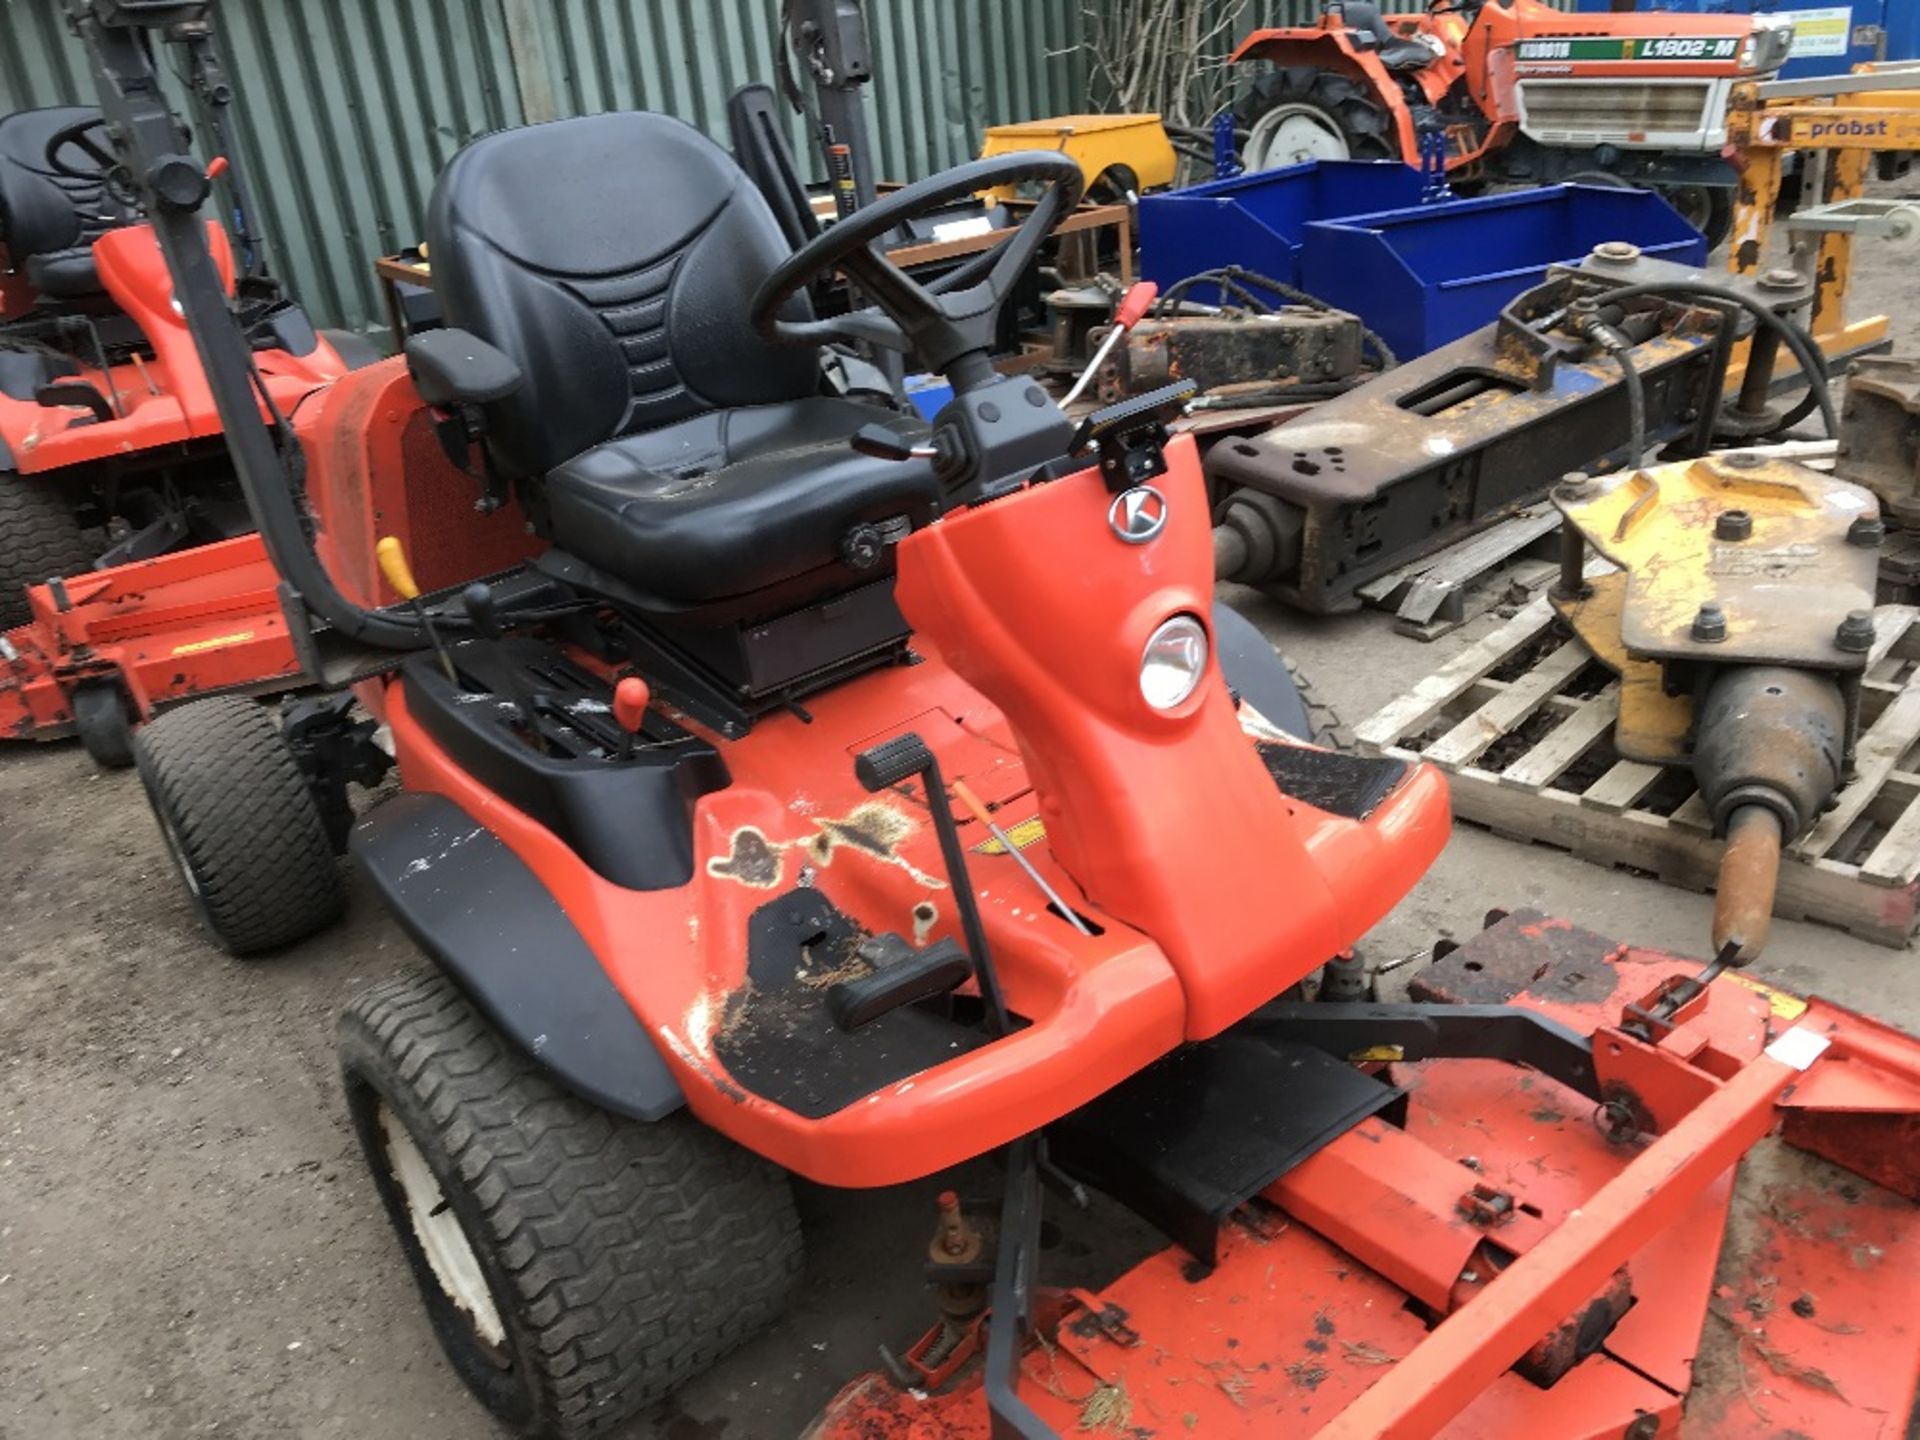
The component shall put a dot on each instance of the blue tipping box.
(1427, 275)
(1257, 221)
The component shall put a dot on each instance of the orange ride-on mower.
(127, 574)
(1522, 93)
(829, 794)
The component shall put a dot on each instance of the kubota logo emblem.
(1137, 515)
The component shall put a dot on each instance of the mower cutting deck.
(105, 648)
(1542, 1232)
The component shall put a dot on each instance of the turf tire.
(240, 823)
(40, 537)
(1329, 729)
(621, 1258)
(101, 721)
(1360, 118)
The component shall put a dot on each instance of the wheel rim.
(1694, 202)
(1293, 135)
(443, 1240)
(179, 853)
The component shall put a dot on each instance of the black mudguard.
(485, 918)
(1256, 673)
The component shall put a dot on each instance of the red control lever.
(1133, 305)
(216, 167)
(630, 700)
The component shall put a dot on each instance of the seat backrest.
(42, 211)
(612, 257)
(1364, 16)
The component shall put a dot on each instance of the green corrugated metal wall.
(348, 108)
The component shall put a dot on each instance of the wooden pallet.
(1522, 722)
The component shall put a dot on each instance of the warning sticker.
(1818, 33)
(218, 642)
(1022, 835)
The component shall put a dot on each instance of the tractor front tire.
(40, 537)
(576, 1265)
(1338, 104)
(240, 823)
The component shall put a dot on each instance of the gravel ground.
(189, 1245)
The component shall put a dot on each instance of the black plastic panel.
(485, 918)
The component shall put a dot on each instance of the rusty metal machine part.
(1740, 623)
(1292, 347)
(1446, 444)
(1880, 434)
(1769, 755)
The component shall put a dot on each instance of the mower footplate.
(1194, 1136)
(780, 1039)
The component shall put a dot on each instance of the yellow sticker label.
(1022, 835)
(1377, 1055)
(1783, 1005)
(218, 642)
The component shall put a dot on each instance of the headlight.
(1767, 48)
(1173, 662)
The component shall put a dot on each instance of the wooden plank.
(1621, 786)
(1819, 890)
(1498, 717)
(1412, 712)
(1459, 565)
(1891, 626)
(1570, 739)
(1692, 814)
(1896, 859)
(1878, 753)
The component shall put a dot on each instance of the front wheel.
(240, 823)
(576, 1265)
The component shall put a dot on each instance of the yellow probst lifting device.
(1836, 123)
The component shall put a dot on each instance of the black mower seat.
(733, 501)
(612, 258)
(49, 221)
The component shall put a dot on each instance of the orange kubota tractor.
(701, 734)
(1522, 92)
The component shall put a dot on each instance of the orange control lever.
(630, 700)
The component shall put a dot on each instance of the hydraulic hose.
(1812, 365)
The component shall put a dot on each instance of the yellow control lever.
(393, 565)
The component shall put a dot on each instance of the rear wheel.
(1708, 208)
(240, 823)
(40, 537)
(576, 1265)
(1297, 114)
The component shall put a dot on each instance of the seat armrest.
(452, 367)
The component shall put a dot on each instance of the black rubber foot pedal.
(901, 976)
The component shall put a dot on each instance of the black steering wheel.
(80, 135)
(942, 322)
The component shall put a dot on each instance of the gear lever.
(485, 615)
